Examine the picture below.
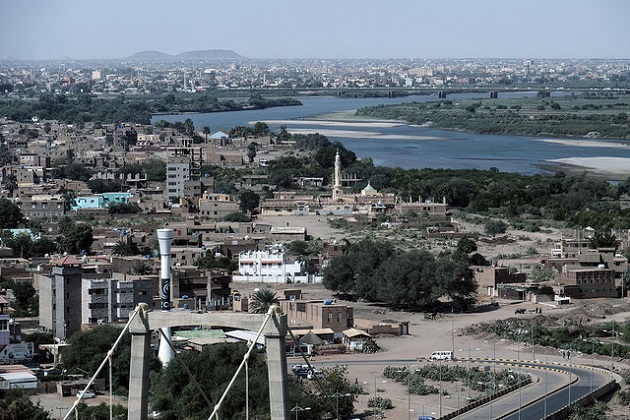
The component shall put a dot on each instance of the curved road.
(548, 393)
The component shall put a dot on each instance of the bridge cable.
(318, 381)
(272, 311)
(102, 365)
(177, 357)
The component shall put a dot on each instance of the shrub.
(380, 402)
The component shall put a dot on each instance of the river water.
(408, 146)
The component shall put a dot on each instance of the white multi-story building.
(270, 265)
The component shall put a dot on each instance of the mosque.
(369, 202)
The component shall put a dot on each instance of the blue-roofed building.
(116, 197)
(100, 201)
(89, 202)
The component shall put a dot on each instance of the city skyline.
(38, 29)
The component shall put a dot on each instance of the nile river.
(407, 146)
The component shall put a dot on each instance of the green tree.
(175, 395)
(10, 183)
(283, 136)
(24, 292)
(325, 156)
(69, 199)
(141, 268)
(155, 169)
(251, 151)
(65, 223)
(101, 411)
(495, 227)
(10, 214)
(6, 157)
(206, 131)
(249, 201)
(125, 248)
(261, 301)
(38, 338)
(465, 246)
(87, 349)
(336, 391)
(123, 208)
(237, 217)
(78, 172)
(15, 405)
(76, 238)
(603, 239)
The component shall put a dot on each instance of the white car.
(86, 394)
(312, 374)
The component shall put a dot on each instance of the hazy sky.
(37, 29)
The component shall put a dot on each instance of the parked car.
(519, 311)
(441, 355)
(312, 374)
(298, 366)
(301, 372)
(86, 394)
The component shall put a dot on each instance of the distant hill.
(150, 55)
(188, 55)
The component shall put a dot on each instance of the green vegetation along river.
(586, 115)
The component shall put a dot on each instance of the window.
(330, 316)
(339, 316)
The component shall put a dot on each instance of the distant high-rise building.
(526, 65)
(60, 298)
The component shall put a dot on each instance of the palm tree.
(123, 248)
(206, 130)
(10, 183)
(141, 268)
(69, 198)
(262, 300)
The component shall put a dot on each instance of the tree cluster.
(376, 271)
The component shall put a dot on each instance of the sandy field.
(586, 143)
(326, 123)
(426, 336)
(606, 165)
(360, 134)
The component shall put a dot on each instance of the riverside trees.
(376, 271)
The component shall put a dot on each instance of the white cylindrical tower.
(337, 175)
(165, 237)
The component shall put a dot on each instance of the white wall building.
(269, 266)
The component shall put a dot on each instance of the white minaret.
(165, 237)
(337, 186)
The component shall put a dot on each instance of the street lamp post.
(592, 357)
(297, 409)
(247, 389)
(336, 396)
(545, 397)
(612, 348)
(494, 373)
(408, 393)
(440, 388)
(520, 397)
(570, 355)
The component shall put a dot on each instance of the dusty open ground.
(427, 336)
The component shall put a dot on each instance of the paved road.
(550, 380)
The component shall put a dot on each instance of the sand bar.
(353, 134)
(371, 124)
(600, 164)
(587, 143)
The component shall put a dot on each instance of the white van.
(442, 355)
